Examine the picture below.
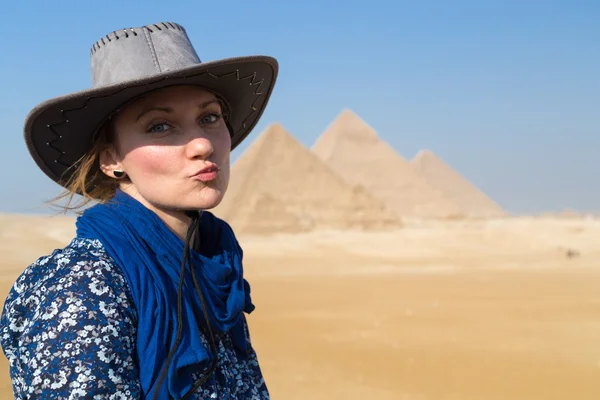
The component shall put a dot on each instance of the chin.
(207, 200)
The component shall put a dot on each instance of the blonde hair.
(87, 179)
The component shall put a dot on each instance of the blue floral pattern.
(68, 330)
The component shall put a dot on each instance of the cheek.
(222, 146)
(153, 161)
(225, 158)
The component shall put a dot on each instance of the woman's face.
(174, 146)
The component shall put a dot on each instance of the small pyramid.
(462, 192)
(352, 149)
(277, 184)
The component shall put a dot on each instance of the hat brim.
(59, 131)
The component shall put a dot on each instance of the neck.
(176, 220)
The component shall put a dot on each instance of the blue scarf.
(150, 254)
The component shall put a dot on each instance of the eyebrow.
(170, 110)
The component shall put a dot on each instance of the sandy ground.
(439, 310)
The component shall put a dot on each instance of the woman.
(148, 300)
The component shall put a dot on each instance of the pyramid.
(263, 214)
(462, 192)
(353, 149)
(278, 185)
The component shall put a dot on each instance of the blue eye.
(158, 128)
(210, 118)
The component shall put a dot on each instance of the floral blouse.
(68, 330)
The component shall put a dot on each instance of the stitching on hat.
(113, 35)
(253, 82)
(165, 25)
(53, 147)
(101, 42)
(169, 25)
(152, 50)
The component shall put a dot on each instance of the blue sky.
(507, 92)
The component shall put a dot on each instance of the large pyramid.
(278, 185)
(462, 192)
(353, 149)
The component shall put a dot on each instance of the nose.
(199, 146)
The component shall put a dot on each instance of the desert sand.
(464, 309)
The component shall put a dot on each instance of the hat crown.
(137, 53)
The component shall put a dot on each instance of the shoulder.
(59, 318)
(81, 268)
(81, 273)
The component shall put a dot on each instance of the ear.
(109, 161)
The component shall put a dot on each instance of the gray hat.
(128, 63)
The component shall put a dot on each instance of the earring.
(118, 174)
